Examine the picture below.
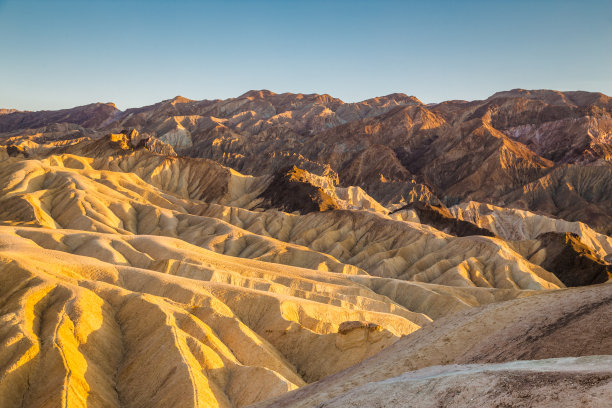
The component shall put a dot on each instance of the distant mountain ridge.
(518, 148)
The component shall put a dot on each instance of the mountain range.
(296, 250)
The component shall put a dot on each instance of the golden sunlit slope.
(142, 320)
(126, 279)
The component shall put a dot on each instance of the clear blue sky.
(56, 54)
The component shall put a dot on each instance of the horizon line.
(15, 110)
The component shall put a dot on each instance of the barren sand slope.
(568, 382)
(565, 323)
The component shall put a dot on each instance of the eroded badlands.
(299, 251)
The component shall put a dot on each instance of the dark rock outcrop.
(572, 261)
(16, 151)
(290, 191)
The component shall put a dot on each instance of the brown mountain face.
(186, 124)
(92, 116)
(296, 250)
(507, 150)
(394, 147)
(565, 127)
(571, 192)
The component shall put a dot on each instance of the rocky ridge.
(517, 148)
